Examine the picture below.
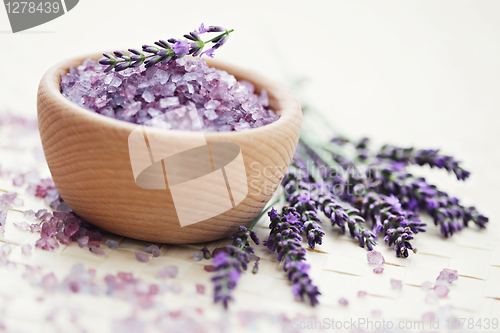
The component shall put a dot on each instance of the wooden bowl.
(88, 156)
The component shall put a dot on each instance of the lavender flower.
(284, 238)
(230, 263)
(164, 52)
(429, 157)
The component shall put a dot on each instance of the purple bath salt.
(184, 94)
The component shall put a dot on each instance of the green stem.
(227, 32)
(254, 222)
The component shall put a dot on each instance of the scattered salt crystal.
(40, 213)
(142, 257)
(112, 244)
(35, 227)
(176, 288)
(22, 225)
(169, 271)
(47, 244)
(97, 250)
(375, 258)
(361, 294)
(428, 317)
(396, 284)
(343, 301)
(449, 275)
(378, 270)
(426, 285)
(2, 231)
(198, 256)
(442, 291)
(18, 180)
(209, 268)
(3, 217)
(6, 248)
(26, 249)
(200, 289)
(29, 213)
(83, 241)
(18, 202)
(153, 249)
(49, 229)
(431, 297)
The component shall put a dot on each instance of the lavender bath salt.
(176, 95)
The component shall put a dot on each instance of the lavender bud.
(215, 29)
(150, 49)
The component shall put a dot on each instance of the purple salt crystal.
(40, 213)
(378, 270)
(18, 202)
(431, 297)
(343, 301)
(200, 289)
(361, 294)
(169, 271)
(63, 207)
(22, 225)
(148, 96)
(428, 317)
(94, 243)
(49, 229)
(375, 258)
(153, 249)
(210, 114)
(26, 249)
(442, 291)
(18, 180)
(396, 284)
(35, 227)
(169, 101)
(449, 275)
(198, 256)
(83, 241)
(112, 244)
(6, 248)
(71, 228)
(49, 282)
(209, 268)
(47, 244)
(131, 109)
(97, 250)
(213, 104)
(3, 217)
(29, 213)
(426, 285)
(142, 257)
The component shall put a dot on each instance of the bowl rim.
(289, 108)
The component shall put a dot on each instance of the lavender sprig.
(430, 157)
(230, 263)
(167, 51)
(285, 239)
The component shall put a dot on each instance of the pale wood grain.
(89, 160)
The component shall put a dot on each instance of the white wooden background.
(421, 73)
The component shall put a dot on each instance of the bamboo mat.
(263, 301)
